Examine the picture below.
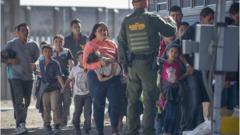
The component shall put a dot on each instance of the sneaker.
(57, 129)
(48, 129)
(64, 124)
(21, 129)
(22, 125)
(115, 131)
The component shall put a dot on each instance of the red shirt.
(162, 48)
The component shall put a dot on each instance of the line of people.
(52, 71)
(183, 102)
(92, 69)
(194, 105)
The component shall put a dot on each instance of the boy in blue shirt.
(51, 76)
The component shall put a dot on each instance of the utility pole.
(106, 16)
(219, 74)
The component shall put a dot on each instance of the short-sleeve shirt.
(50, 72)
(171, 72)
(63, 57)
(107, 48)
(162, 48)
(26, 54)
(80, 76)
(75, 46)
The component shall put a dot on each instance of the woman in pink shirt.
(99, 41)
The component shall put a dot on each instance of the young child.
(169, 96)
(51, 76)
(82, 98)
(183, 27)
(38, 91)
(64, 57)
(106, 72)
(161, 55)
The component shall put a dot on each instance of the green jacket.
(153, 24)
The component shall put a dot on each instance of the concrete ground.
(35, 123)
(40, 131)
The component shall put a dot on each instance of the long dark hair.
(99, 24)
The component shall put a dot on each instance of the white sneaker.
(21, 129)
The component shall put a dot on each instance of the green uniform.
(138, 44)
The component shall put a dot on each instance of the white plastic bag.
(202, 129)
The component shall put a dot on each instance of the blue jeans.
(230, 96)
(124, 99)
(159, 124)
(110, 89)
(170, 117)
(235, 94)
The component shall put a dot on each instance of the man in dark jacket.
(195, 95)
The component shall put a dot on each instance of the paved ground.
(40, 131)
(34, 121)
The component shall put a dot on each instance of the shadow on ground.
(41, 131)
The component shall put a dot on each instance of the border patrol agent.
(138, 45)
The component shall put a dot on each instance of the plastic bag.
(202, 129)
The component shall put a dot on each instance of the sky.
(119, 4)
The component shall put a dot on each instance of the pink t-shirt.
(171, 72)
